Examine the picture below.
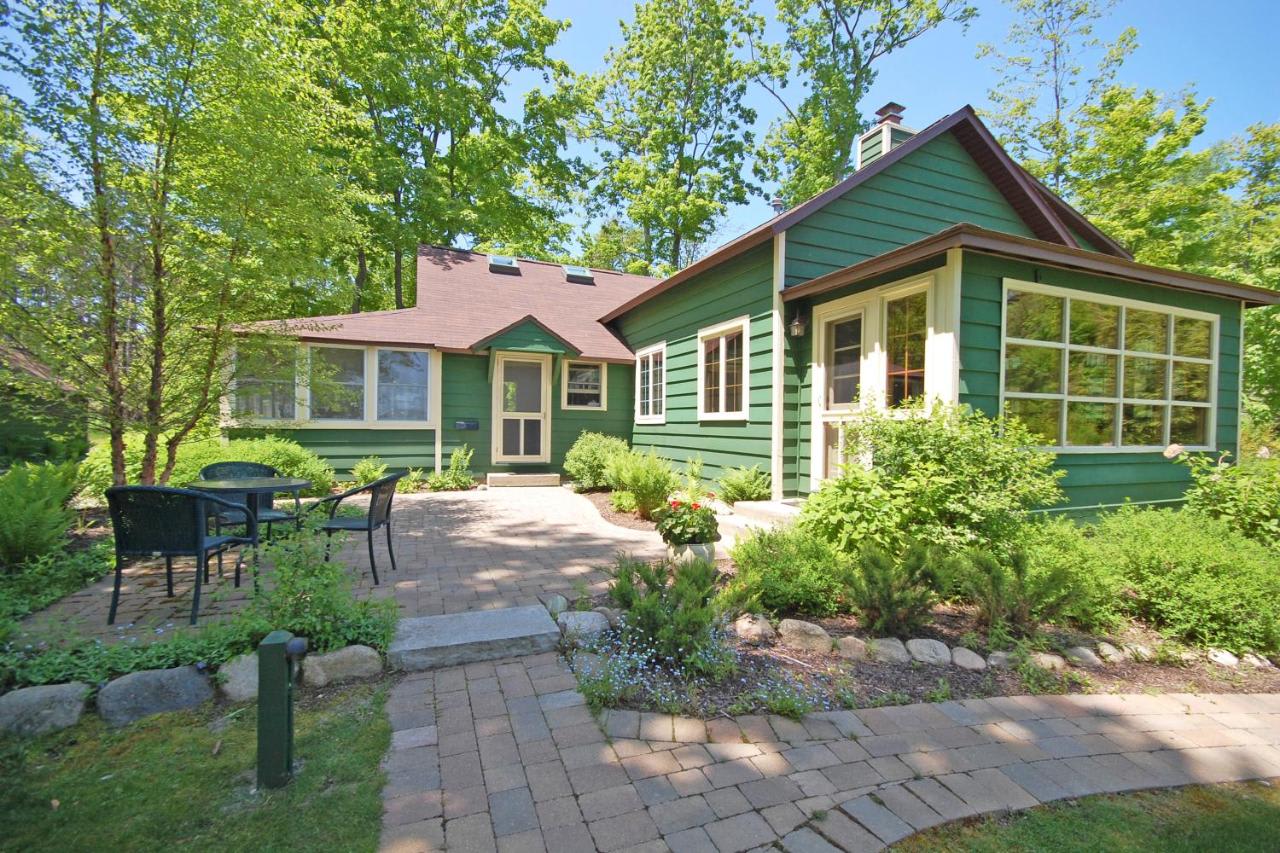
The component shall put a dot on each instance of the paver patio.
(505, 756)
(455, 551)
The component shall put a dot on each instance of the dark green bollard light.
(278, 654)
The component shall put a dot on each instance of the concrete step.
(767, 513)
(430, 642)
(509, 479)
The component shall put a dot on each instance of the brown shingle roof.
(461, 304)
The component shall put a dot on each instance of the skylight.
(579, 274)
(504, 264)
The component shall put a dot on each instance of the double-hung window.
(403, 383)
(651, 384)
(722, 371)
(583, 386)
(906, 332)
(266, 382)
(1092, 372)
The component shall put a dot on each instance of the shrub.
(1009, 594)
(414, 480)
(457, 477)
(786, 570)
(1062, 547)
(588, 459)
(746, 484)
(45, 579)
(894, 594)
(33, 511)
(668, 608)
(368, 469)
(647, 476)
(687, 522)
(1245, 495)
(953, 477)
(1194, 577)
(287, 457)
(622, 501)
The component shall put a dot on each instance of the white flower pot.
(693, 551)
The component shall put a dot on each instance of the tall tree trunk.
(362, 276)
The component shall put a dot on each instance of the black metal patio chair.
(158, 521)
(268, 514)
(381, 491)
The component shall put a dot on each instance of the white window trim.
(641, 354)
(302, 383)
(739, 324)
(564, 386)
(1167, 402)
(497, 413)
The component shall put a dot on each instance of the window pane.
(1189, 425)
(733, 372)
(844, 362)
(265, 382)
(1191, 382)
(644, 385)
(1036, 370)
(1091, 424)
(711, 375)
(658, 380)
(1094, 324)
(907, 329)
(1144, 378)
(532, 437)
(521, 386)
(1040, 416)
(511, 437)
(1091, 374)
(1192, 337)
(337, 384)
(1143, 426)
(1033, 315)
(584, 385)
(847, 333)
(831, 435)
(402, 385)
(1146, 331)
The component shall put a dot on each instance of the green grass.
(186, 779)
(1221, 819)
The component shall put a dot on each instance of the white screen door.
(521, 409)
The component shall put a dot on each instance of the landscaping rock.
(1044, 660)
(1137, 651)
(577, 626)
(614, 617)
(852, 648)
(587, 663)
(152, 691)
(932, 652)
(343, 665)
(967, 659)
(556, 604)
(1111, 654)
(999, 660)
(1083, 656)
(754, 629)
(1222, 657)
(35, 711)
(889, 650)
(239, 677)
(1257, 661)
(799, 634)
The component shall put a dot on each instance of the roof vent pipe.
(778, 205)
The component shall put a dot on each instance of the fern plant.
(368, 469)
(745, 484)
(457, 477)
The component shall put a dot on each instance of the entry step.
(507, 479)
(431, 642)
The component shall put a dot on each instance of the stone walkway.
(456, 551)
(505, 756)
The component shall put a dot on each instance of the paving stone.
(656, 726)
(622, 724)
(656, 789)
(740, 832)
(691, 756)
(688, 730)
(611, 802)
(688, 782)
(908, 807)
(562, 811)
(810, 757)
(652, 764)
(423, 835)
(677, 815)
(530, 841)
(847, 834)
(772, 764)
(723, 731)
(472, 834)
(726, 773)
(429, 642)
(805, 840)
(770, 792)
(597, 777)
(846, 722)
(783, 817)
(505, 778)
(625, 830)
(727, 801)
(693, 840)
(412, 808)
(512, 811)
(459, 802)
(848, 776)
(940, 799)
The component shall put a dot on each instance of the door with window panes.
(521, 408)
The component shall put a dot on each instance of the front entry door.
(522, 408)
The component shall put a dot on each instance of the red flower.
(675, 504)
(695, 506)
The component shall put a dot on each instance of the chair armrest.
(335, 500)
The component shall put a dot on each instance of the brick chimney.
(887, 134)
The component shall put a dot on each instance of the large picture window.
(266, 382)
(651, 384)
(337, 384)
(403, 378)
(722, 359)
(1092, 372)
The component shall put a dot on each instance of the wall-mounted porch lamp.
(798, 324)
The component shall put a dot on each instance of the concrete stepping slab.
(430, 642)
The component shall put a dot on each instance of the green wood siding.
(931, 189)
(528, 337)
(741, 286)
(1092, 478)
(870, 147)
(465, 394)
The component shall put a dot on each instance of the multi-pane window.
(337, 384)
(584, 385)
(844, 362)
(906, 331)
(651, 377)
(266, 382)
(403, 376)
(1094, 373)
(723, 370)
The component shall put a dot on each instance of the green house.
(938, 270)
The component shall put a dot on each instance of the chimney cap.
(891, 113)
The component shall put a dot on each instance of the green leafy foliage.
(414, 480)
(34, 516)
(745, 484)
(667, 607)
(587, 461)
(368, 469)
(1194, 577)
(1245, 495)
(893, 594)
(1008, 593)
(952, 477)
(622, 501)
(287, 457)
(647, 476)
(1060, 547)
(43, 580)
(788, 571)
(685, 522)
(457, 477)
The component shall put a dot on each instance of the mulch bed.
(629, 520)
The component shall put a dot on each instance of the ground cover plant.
(186, 780)
(587, 461)
(368, 469)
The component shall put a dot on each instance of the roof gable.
(527, 334)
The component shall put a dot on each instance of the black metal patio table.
(253, 488)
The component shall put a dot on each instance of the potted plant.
(690, 530)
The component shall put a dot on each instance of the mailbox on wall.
(467, 424)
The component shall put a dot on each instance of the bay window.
(722, 371)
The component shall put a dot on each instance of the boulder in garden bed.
(1051, 662)
(932, 652)
(967, 659)
(1222, 657)
(1083, 656)
(578, 625)
(852, 648)
(34, 711)
(888, 650)
(347, 664)
(152, 691)
(799, 634)
(1257, 661)
(556, 604)
(754, 629)
(1111, 654)
(239, 678)
(999, 660)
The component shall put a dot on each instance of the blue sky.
(1224, 50)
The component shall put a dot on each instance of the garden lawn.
(1223, 818)
(186, 779)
